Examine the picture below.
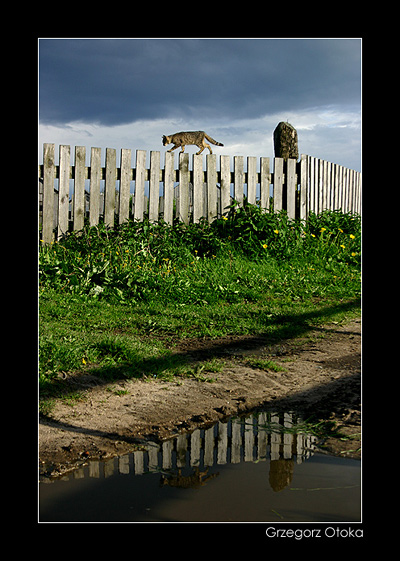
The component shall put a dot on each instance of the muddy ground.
(321, 377)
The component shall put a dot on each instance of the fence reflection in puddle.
(253, 438)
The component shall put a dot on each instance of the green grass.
(117, 301)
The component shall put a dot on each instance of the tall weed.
(228, 259)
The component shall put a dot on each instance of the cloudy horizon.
(127, 93)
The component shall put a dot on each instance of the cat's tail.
(212, 140)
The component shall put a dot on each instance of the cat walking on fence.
(181, 139)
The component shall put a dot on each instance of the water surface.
(252, 469)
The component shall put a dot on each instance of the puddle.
(249, 469)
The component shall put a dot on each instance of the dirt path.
(322, 376)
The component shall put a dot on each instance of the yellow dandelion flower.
(265, 246)
(276, 231)
(352, 237)
(224, 218)
(340, 230)
(83, 361)
(344, 247)
(322, 229)
(353, 254)
(313, 235)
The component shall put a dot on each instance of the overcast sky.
(127, 93)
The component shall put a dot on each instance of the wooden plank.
(248, 440)
(111, 176)
(238, 179)
(335, 186)
(79, 188)
(287, 436)
(265, 182)
(320, 185)
(251, 179)
(304, 189)
(125, 185)
(236, 441)
(225, 184)
(183, 205)
(340, 186)
(262, 435)
(348, 172)
(311, 199)
(63, 190)
(181, 442)
(278, 184)
(291, 185)
(139, 184)
(351, 190)
(169, 187)
(355, 191)
(328, 185)
(167, 448)
(209, 447)
(325, 182)
(345, 197)
(316, 185)
(95, 174)
(198, 180)
(48, 193)
(154, 186)
(211, 163)
(195, 447)
(222, 446)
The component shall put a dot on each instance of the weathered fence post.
(48, 193)
(198, 182)
(154, 185)
(63, 191)
(239, 179)
(285, 141)
(264, 183)
(211, 160)
(95, 175)
(79, 188)
(139, 184)
(169, 187)
(291, 188)
(225, 185)
(183, 210)
(278, 184)
(304, 161)
(111, 176)
(124, 187)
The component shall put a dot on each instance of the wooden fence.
(255, 438)
(72, 195)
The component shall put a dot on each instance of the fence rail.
(69, 194)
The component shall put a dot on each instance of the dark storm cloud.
(119, 81)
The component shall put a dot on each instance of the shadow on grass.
(290, 326)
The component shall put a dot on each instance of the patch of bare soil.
(321, 377)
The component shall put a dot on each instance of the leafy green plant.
(246, 273)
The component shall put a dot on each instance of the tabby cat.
(183, 138)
